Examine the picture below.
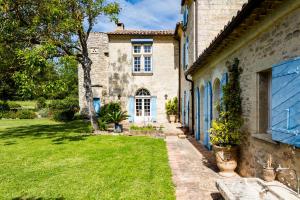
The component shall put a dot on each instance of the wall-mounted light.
(119, 96)
(166, 96)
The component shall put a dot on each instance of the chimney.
(120, 26)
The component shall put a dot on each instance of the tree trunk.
(87, 84)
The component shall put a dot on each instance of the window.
(264, 101)
(142, 58)
(185, 15)
(147, 60)
(147, 49)
(137, 49)
(137, 63)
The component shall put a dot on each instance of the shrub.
(4, 106)
(44, 113)
(172, 106)
(8, 115)
(26, 114)
(226, 130)
(63, 115)
(13, 105)
(117, 117)
(40, 103)
(102, 125)
(142, 128)
(64, 110)
(107, 109)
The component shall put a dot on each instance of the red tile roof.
(142, 32)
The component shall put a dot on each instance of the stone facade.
(269, 42)
(113, 70)
(206, 18)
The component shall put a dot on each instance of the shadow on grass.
(70, 131)
(37, 198)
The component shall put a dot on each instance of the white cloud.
(144, 14)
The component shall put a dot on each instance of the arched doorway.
(142, 105)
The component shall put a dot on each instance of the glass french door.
(142, 109)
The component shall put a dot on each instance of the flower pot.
(172, 118)
(118, 128)
(226, 158)
(268, 174)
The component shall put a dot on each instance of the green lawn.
(42, 159)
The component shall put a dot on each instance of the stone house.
(137, 68)
(265, 37)
(202, 21)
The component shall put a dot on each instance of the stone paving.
(193, 169)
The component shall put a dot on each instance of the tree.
(63, 25)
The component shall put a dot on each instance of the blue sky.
(144, 14)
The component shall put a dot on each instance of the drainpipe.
(192, 100)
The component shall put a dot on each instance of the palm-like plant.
(118, 116)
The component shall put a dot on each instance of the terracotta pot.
(268, 174)
(226, 158)
(172, 118)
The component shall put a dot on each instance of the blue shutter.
(224, 81)
(96, 102)
(197, 117)
(286, 102)
(153, 109)
(187, 107)
(207, 113)
(131, 108)
(187, 53)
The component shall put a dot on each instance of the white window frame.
(142, 55)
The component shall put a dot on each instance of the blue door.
(286, 102)
(207, 113)
(197, 118)
(97, 105)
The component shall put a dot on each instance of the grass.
(42, 159)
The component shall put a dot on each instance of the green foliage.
(20, 114)
(102, 125)
(44, 113)
(226, 130)
(4, 106)
(26, 114)
(13, 105)
(142, 128)
(172, 106)
(41, 103)
(117, 117)
(64, 110)
(111, 107)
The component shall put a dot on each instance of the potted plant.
(116, 117)
(172, 109)
(226, 129)
(268, 171)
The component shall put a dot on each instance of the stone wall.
(272, 41)
(163, 81)
(112, 75)
(98, 51)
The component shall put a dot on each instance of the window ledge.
(142, 73)
(265, 137)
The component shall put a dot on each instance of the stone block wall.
(98, 51)
(274, 40)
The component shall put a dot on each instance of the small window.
(147, 49)
(137, 63)
(136, 49)
(147, 61)
(264, 101)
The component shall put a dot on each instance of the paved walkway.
(193, 169)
